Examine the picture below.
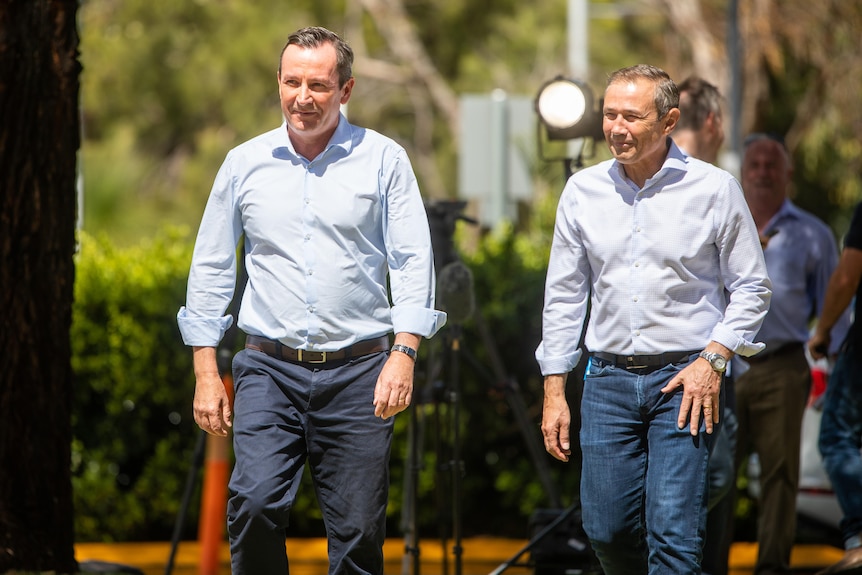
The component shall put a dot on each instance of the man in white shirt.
(331, 215)
(663, 251)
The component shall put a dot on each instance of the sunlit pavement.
(481, 556)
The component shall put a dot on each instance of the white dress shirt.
(669, 267)
(321, 236)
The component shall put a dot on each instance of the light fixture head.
(565, 108)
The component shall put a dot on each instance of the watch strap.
(411, 353)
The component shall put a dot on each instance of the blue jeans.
(287, 414)
(644, 483)
(841, 438)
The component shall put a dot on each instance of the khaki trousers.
(770, 401)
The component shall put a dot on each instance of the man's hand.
(818, 345)
(701, 392)
(556, 418)
(212, 407)
(394, 390)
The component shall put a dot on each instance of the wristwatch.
(716, 360)
(411, 353)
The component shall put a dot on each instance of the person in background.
(330, 213)
(700, 133)
(771, 395)
(841, 425)
(662, 249)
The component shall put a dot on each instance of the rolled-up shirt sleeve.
(409, 253)
(743, 270)
(212, 276)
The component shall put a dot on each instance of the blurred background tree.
(39, 140)
(168, 88)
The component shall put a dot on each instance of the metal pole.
(499, 207)
(734, 58)
(577, 19)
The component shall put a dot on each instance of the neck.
(691, 143)
(763, 212)
(649, 166)
(309, 147)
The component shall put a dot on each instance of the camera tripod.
(455, 296)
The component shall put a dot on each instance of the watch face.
(718, 362)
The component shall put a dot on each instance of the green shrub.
(133, 433)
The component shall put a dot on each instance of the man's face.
(632, 128)
(765, 172)
(308, 87)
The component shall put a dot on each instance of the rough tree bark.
(39, 139)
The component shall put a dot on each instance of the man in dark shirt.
(841, 426)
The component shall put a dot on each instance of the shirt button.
(637, 332)
(637, 264)
(635, 298)
(310, 272)
(307, 237)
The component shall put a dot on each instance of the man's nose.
(304, 93)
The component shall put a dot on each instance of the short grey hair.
(666, 92)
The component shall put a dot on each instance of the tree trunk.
(39, 139)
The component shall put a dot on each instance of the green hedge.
(133, 434)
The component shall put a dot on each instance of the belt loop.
(278, 351)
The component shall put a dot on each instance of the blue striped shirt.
(669, 267)
(320, 238)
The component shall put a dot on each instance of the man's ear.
(347, 90)
(670, 120)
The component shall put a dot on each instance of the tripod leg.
(456, 464)
(516, 402)
(197, 462)
(411, 491)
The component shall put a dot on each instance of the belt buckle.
(630, 363)
(300, 356)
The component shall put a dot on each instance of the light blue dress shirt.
(321, 239)
(669, 267)
(800, 256)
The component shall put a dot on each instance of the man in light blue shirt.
(328, 212)
(661, 248)
(771, 395)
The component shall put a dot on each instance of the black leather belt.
(280, 351)
(644, 361)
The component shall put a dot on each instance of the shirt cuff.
(559, 364)
(729, 339)
(421, 321)
(202, 331)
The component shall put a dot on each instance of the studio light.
(566, 112)
(565, 109)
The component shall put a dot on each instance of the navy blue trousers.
(289, 414)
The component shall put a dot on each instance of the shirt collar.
(341, 138)
(675, 161)
(787, 211)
